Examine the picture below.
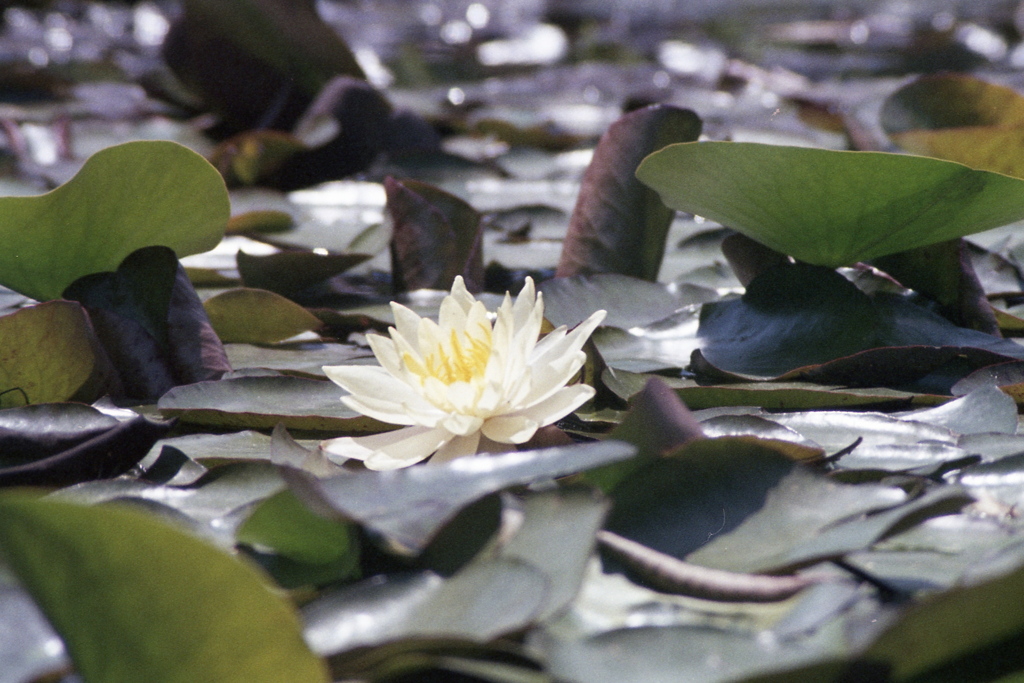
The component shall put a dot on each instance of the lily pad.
(171, 196)
(960, 118)
(629, 301)
(49, 354)
(263, 402)
(828, 207)
(410, 506)
(797, 315)
(256, 316)
(94, 570)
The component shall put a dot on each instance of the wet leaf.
(45, 429)
(289, 272)
(944, 272)
(262, 402)
(171, 197)
(658, 655)
(831, 208)
(656, 422)
(799, 315)
(256, 316)
(108, 454)
(773, 395)
(506, 595)
(808, 519)
(629, 301)
(306, 359)
(32, 649)
(618, 224)
(409, 506)
(49, 354)
(557, 537)
(983, 410)
(705, 488)
(960, 118)
(92, 569)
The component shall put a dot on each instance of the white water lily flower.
(460, 385)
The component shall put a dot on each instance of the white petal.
(526, 303)
(394, 412)
(365, 379)
(458, 447)
(505, 429)
(387, 354)
(378, 394)
(452, 313)
(463, 425)
(390, 450)
(555, 362)
(460, 294)
(407, 322)
(511, 428)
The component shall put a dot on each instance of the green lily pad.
(959, 118)
(288, 527)
(98, 572)
(49, 354)
(827, 207)
(124, 198)
(257, 316)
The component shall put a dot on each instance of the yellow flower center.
(460, 357)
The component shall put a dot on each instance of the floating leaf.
(49, 354)
(629, 301)
(96, 571)
(256, 316)
(108, 454)
(931, 636)
(960, 118)
(506, 595)
(41, 430)
(798, 315)
(290, 272)
(827, 207)
(409, 506)
(262, 402)
(306, 359)
(125, 197)
(772, 395)
(289, 528)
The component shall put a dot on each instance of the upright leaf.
(827, 207)
(126, 197)
(619, 225)
(436, 237)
